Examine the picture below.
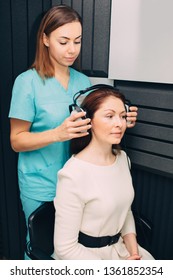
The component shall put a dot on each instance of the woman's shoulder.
(79, 75)
(28, 76)
(124, 158)
(72, 168)
(71, 175)
(123, 153)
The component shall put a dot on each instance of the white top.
(97, 201)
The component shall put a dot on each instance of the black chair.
(143, 230)
(41, 231)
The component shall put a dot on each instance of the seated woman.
(93, 218)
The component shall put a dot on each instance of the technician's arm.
(23, 140)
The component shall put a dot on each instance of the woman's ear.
(45, 40)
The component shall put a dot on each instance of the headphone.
(73, 108)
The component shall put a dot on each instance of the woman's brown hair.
(91, 104)
(53, 19)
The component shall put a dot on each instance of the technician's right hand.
(72, 127)
(22, 139)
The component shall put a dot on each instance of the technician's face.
(64, 43)
(109, 122)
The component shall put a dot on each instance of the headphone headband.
(98, 86)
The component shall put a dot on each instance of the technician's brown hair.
(91, 104)
(54, 18)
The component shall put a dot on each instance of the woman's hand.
(73, 127)
(134, 257)
(132, 116)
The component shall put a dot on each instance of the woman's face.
(64, 43)
(109, 121)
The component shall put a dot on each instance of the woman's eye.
(109, 116)
(65, 43)
(124, 117)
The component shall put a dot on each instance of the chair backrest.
(143, 230)
(41, 228)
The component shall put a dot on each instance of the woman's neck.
(97, 154)
(62, 74)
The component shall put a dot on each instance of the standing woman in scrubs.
(39, 111)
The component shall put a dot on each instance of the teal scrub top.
(46, 105)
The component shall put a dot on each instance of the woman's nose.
(72, 48)
(118, 121)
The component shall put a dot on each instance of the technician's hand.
(132, 116)
(73, 127)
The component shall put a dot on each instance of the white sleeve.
(69, 206)
(129, 224)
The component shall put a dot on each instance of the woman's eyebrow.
(114, 110)
(64, 37)
(110, 110)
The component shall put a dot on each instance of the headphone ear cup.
(77, 109)
(84, 110)
(127, 105)
(127, 108)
